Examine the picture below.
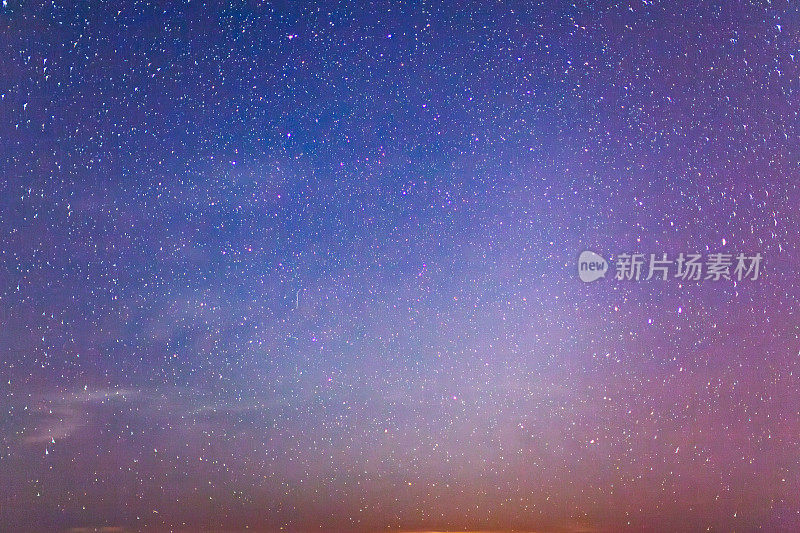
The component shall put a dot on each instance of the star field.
(312, 266)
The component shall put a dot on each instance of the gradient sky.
(277, 265)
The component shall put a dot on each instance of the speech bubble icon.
(591, 266)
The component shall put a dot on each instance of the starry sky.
(312, 266)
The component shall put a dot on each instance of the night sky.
(285, 266)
